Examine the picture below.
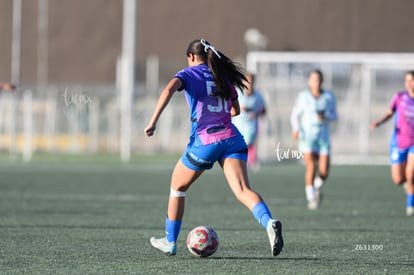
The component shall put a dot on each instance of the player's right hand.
(374, 125)
(149, 130)
(295, 135)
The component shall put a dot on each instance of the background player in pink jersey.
(402, 141)
(7, 86)
(209, 86)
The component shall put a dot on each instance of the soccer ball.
(202, 241)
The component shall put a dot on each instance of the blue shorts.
(201, 157)
(398, 155)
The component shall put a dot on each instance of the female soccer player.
(7, 86)
(313, 110)
(209, 85)
(402, 141)
(251, 108)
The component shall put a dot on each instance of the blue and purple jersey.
(403, 106)
(210, 115)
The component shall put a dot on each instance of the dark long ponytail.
(225, 71)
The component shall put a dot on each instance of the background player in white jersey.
(209, 86)
(402, 141)
(252, 107)
(313, 110)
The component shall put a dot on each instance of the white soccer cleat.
(410, 211)
(274, 232)
(312, 196)
(164, 246)
(313, 205)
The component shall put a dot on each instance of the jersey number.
(222, 104)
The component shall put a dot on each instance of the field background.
(96, 215)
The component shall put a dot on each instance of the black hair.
(225, 71)
(319, 73)
(410, 73)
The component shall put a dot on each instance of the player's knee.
(240, 195)
(323, 175)
(398, 179)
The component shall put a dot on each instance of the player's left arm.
(235, 107)
(331, 113)
(165, 96)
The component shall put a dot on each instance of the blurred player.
(209, 86)
(402, 141)
(251, 108)
(313, 110)
(7, 86)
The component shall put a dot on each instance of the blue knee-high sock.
(410, 200)
(172, 229)
(262, 213)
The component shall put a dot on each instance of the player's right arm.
(390, 112)
(165, 96)
(386, 117)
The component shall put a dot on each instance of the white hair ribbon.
(207, 46)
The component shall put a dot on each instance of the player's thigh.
(309, 159)
(233, 161)
(182, 176)
(235, 172)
